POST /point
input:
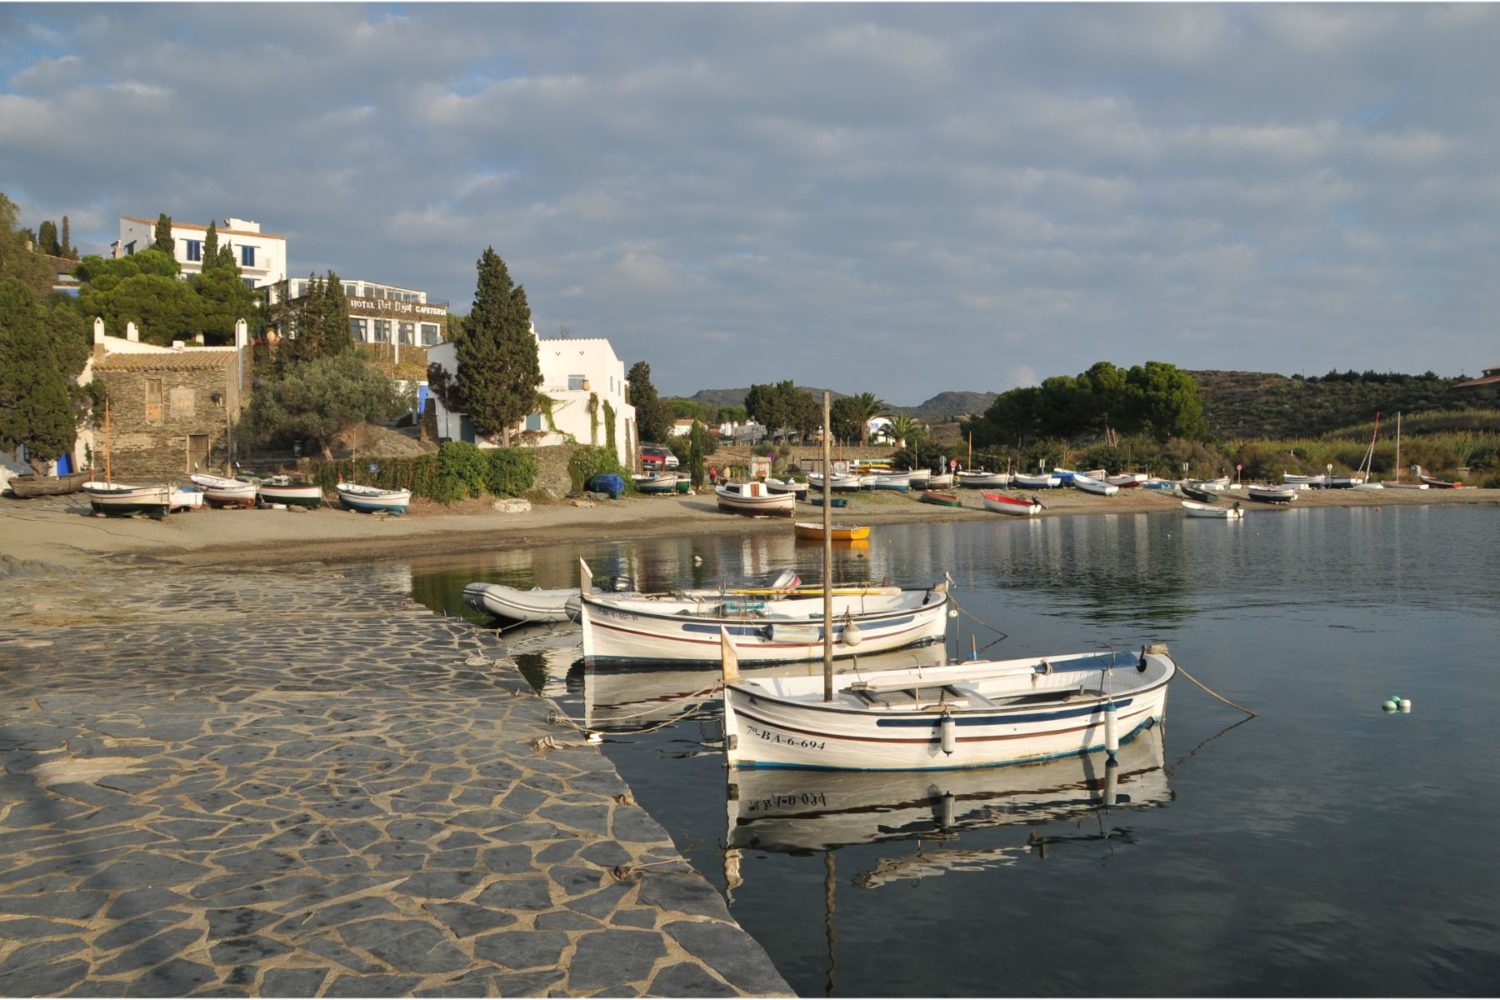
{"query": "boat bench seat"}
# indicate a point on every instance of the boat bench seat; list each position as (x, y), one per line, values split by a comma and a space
(913, 697)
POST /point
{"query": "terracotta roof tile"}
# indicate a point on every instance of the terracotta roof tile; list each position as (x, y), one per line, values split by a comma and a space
(184, 361)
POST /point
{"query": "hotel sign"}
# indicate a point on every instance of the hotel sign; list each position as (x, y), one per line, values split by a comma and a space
(393, 307)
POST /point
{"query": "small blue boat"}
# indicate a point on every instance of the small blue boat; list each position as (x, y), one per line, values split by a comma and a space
(606, 482)
(832, 501)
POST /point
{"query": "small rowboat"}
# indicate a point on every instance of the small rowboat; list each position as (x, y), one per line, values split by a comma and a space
(1436, 483)
(1040, 482)
(900, 481)
(291, 493)
(817, 501)
(656, 483)
(1272, 494)
(942, 499)
(978, 479)
(754, 500)
(372, 500)
(940, 482)
(30, 486)
(118, 500)
(534, 605)
(1089, 484)
(1197, 492)
(838, 483)
(1001, 504)
(798, 490)
(839, 532)
(1192, 509)
(221, 492)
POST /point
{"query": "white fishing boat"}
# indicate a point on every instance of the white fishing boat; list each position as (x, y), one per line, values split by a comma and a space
(373, 500)
(919, 478)
(798, 490)
(186, 498)
(838, 482)
(940, 482)
(288, 492)
(1015, 506)
(754, 499)
(120, 500)
(1089, 484)
(219, 491)
(1042, 481)
(656, 483)
(899, 481)
(979, 479)
(1194, 509)
(1272, 494)
(975, 714)
(534, 605)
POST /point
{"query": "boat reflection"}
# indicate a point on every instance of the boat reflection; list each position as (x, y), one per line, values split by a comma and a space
(804, 812)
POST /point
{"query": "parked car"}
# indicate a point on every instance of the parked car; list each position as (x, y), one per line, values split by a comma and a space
(654, 456)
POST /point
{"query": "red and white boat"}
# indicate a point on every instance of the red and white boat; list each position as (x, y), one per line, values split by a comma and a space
(1015, 506)
(754, 499)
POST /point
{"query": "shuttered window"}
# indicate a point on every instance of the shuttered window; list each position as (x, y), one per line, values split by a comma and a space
(153, 400)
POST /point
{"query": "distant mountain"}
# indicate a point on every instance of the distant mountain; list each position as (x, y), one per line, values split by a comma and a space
(943, 406)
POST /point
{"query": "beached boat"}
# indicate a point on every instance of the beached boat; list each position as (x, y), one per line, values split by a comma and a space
(1193, 509)
(801, 811)
(919, 478)
(798, 490)
(941, 499)
(1089, 484)
(219, 491)
(755, 500)
(817, 501)
(289, 492)
(943, 481)
(119, 500)
(1042, 481)
(980, 713)
(1157, 483)
(372, 500)
(1126, 480)
(1435, 482)
(28, 486)
(899, 481)
(186, 498)
(534, 605)
(1398, 483)
(1015, 506)
(656, 483)
(979, 479)
(1195, 491)
(770, 626)
(838, 482)
(838, 532)
(1272, 494)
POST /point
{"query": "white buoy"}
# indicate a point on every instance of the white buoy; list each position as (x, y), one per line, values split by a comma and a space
(852, 635)
(1406, 704)
(945, 817)
(1111, 730)
(949, 728)
(1111, 781)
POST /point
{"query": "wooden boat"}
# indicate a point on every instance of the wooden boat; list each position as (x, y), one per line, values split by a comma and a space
(534, 605)
(1089, 484)
(289, 492)
(1064, 476)
(221, 492)
(1196, 492)
(1295, 479)
(919, 479)
(838, 482)
(978, 479)
(28, 486)
(899, 481)
(186, 498)
(1436, 483)
(773, 626)
(839, 532)
(119, 500)
(817, 501)
(1127, 480)
(941, 499)
(1037, 482)
(372, 500)
(656, 483)
(798, 490)
(1192, 509)
(801, 811)
(943, 481)
(755, 500)
(1015, 506)
(975, 714)
(1272, 494)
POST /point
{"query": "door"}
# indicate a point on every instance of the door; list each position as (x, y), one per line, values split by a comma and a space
(197, 455)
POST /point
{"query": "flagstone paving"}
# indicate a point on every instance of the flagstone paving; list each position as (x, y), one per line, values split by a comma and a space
(303, 784)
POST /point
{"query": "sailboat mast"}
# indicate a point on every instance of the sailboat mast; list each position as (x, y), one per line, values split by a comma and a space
(108, 478)
(827, 554)
(1398, 446)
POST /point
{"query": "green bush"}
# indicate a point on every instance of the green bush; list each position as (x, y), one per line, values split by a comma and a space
(462, 469)
(589, 462)
(511, 471)
(416, 474)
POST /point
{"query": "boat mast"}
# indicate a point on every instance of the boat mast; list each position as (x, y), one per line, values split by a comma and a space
(108, 478)
(827, 554)
(1398, 446)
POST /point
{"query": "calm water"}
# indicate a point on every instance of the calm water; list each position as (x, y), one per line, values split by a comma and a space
(1323, 848)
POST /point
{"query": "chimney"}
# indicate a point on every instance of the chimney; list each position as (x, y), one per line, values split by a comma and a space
(178, 344)
(131, 333)
(99, 349)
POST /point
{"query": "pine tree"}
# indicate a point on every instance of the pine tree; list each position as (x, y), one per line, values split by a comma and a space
(36, 408)
(163, 236)
(498, 367)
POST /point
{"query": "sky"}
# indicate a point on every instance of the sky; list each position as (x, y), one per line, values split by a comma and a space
(897, 199)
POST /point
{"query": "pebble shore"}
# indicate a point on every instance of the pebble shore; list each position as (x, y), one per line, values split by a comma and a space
(300, 783)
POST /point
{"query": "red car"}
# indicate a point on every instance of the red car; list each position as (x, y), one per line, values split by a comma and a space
(656, 457)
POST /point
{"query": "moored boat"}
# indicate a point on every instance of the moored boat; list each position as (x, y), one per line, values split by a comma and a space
(1195, 491)
(838, 532)
(28, 486)
(1194, 509)
(979, 713)
(221, 492)
(289, 492)
(373, 500)
(1015, 506)
(119, 500)
(534, 605)
(754, 500)
(941, 499)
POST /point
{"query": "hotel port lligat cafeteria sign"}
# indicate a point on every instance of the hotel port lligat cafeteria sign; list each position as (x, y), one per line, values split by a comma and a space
(396, 307)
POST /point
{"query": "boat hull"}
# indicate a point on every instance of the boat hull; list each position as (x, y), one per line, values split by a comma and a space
(984, 480)
(942, 499)
(535, 605)
(1037, 482)
(662, 485)
(1010, 505)
(1089, 484)
(1058, 710)
(1192, 509)
(220, 492)
(754, 500)
(27, 487)
(1271, 494)
(298, 495)
(838, 532)
(626, 629)
(115, 500)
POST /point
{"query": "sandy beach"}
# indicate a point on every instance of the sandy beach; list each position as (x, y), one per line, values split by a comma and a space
(62, 532)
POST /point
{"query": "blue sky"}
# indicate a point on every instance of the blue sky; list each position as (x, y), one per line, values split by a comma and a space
(890, 198)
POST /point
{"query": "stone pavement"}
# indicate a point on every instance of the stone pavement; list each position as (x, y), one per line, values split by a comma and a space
(300, 783)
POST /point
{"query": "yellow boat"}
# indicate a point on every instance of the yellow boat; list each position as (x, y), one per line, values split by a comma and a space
(841, 532)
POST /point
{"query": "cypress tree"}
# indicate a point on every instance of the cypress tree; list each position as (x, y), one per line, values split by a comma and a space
(210, 247)
(46, 239)
(163, 236)
(334, 336)
(498, 367)
(67, 246)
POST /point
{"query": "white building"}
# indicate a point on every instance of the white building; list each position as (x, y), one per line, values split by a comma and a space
(586, 383)
(378, 313)
(261, 256)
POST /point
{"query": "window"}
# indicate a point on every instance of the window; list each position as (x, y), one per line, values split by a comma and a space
(194, 249)
(578, 381)
(247, 256)
(430, 334)
(533, 421)
(153, 400)
(249, 282)
(130, 249)
(182, 403)
(358, 328)
(382, 331)
(351, 291)
(407, 331)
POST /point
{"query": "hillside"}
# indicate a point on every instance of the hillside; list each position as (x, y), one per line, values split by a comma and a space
(1266, 405)
(940, 408)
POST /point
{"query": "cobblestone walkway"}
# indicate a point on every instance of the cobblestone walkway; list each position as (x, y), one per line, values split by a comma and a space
(302, 784)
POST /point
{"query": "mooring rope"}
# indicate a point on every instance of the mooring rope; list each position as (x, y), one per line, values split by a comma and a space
(1216, 694)
(695, 697)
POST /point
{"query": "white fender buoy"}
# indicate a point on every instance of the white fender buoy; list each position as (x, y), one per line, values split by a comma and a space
(852, 636)
(1111, 730)
(1111, 781)
(945, 817)
(949, 729)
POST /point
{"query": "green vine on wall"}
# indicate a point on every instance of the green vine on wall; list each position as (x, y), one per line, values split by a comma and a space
(593, 419)
(609, 426)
